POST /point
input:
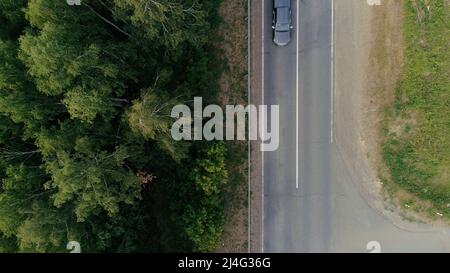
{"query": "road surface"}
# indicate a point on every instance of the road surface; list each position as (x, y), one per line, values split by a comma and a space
(309, 203)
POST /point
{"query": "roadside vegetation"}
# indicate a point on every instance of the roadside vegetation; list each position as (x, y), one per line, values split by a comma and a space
(417, 146)
(85, 147)
(233, 90)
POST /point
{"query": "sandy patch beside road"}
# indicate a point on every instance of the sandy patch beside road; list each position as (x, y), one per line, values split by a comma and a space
(369, 61)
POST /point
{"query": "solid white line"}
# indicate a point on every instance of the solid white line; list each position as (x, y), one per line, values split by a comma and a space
(262, 153)
(249, 69)
(297, 96)
(332, 70)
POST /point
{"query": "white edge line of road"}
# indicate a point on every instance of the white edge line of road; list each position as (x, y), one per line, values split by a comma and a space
(249, 93)
(262, 124)
(297, 97)
(333, 70)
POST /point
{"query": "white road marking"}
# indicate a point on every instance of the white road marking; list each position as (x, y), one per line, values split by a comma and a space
(262, 152)
(297, 96)
(332, 71)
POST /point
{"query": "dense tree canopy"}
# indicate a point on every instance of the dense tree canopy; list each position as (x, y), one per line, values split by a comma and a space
(85, 147)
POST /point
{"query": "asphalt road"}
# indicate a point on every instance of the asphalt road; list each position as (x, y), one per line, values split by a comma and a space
(309, 202)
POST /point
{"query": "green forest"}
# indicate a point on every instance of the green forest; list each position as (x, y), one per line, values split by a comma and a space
(86, 153)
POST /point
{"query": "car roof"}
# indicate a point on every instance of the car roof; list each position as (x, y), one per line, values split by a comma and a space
(283, 15)
(282, 3)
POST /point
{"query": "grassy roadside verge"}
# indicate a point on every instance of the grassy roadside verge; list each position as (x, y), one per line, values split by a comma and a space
(417, 146)
(233, 90)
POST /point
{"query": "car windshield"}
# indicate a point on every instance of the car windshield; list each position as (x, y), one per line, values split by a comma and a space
(283, 23)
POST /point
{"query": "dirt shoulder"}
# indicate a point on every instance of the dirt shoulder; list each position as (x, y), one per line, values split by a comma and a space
(369, 61)
(242, 231)
(370, 50)
(256, 99)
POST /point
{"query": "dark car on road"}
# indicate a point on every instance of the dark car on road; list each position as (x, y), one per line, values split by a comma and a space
(282, 22)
